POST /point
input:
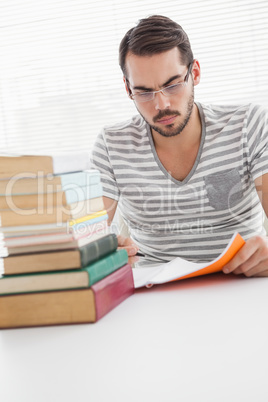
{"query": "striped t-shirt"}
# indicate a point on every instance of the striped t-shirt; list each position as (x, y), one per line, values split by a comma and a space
(194, 218)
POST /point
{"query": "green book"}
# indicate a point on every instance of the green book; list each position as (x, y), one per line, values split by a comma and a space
(97, 249)
(58, 280)
(59, 259)
(70, 306)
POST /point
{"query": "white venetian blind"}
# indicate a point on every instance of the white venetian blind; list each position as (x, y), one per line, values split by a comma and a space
(59, 76)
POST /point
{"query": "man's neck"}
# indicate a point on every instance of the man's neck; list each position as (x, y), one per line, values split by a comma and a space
(188, 138)
(178, 154)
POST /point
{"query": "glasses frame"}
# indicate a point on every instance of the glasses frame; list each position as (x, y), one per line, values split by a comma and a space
(179, 84)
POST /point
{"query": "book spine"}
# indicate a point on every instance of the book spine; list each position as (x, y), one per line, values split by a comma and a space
(87, 217)
(84, 178)
(113, 290)
(25, 165)
(82, 193)
(71, 162)
(38, 184)
(47, 308)
(54, 215)
(97, 249)
(40, 262)
(104, 267)
(29, 217)
(78, 227)
(39, 200)
(67, 306)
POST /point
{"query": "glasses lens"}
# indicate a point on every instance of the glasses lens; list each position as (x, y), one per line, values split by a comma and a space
(168, 91)
(143, 96)
(173, 89)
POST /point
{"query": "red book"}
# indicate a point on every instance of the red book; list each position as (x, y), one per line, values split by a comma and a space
(67, 306)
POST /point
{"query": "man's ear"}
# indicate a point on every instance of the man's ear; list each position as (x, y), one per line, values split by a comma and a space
(126, 86)
(196, 72)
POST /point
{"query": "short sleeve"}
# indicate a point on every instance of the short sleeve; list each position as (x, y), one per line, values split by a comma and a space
(100, 160)
(257, 133)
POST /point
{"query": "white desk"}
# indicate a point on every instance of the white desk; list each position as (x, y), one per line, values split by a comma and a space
(198, 340)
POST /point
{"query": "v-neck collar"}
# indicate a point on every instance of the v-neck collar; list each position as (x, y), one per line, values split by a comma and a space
(192, 171)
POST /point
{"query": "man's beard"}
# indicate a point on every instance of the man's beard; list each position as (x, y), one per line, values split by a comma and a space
(168, 112)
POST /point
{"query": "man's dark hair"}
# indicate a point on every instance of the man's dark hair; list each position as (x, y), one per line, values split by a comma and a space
(153, 35)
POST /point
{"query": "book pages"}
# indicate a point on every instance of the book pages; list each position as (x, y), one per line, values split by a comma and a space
(180, 268)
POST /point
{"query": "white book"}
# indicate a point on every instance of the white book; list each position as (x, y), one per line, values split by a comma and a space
(57, 245)
(180, 268)
(27, 165)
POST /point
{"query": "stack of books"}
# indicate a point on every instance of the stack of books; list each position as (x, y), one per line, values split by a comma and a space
(58, 262)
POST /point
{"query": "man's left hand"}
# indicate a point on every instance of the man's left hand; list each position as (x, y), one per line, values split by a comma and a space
(251, 259)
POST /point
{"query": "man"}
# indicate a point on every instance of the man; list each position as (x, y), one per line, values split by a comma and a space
(186, 176)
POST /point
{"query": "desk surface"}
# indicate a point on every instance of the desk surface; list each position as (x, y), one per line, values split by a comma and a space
(201, 339)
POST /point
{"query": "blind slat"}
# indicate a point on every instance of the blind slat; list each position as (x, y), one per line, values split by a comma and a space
(60, 81)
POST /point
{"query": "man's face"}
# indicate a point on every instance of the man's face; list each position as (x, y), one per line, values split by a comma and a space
(167, 115)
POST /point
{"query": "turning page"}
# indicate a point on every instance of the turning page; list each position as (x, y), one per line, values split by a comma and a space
(181, 269)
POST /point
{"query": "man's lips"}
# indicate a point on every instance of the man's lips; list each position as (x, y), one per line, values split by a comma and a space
(167, 120)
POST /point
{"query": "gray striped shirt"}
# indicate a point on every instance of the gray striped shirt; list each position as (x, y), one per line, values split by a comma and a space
(194, 218)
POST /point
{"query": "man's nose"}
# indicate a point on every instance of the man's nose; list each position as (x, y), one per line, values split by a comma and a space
(161, 101)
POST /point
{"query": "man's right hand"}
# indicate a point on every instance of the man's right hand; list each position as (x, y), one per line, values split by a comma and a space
(130, 247)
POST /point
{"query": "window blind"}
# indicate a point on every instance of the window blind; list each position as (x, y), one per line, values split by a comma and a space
(60, 81)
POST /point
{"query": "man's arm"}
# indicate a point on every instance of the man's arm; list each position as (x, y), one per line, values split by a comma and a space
(252, 259)
(110, 205)
(262, 188)
(123, 242)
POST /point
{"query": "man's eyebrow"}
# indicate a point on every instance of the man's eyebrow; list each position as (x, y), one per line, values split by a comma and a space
(174, 77)
(141, 88)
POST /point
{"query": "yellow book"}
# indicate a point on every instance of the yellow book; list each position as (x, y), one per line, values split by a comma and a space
(49, 215)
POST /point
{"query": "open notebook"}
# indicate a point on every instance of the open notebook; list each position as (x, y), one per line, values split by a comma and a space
(181, 269)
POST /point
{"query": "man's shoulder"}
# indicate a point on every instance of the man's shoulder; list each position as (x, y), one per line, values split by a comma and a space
(135, 123)
(228, 110)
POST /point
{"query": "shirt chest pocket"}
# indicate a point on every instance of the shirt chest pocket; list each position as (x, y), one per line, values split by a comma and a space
(224, 189)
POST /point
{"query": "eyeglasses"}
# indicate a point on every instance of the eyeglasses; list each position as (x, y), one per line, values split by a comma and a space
(167, 91)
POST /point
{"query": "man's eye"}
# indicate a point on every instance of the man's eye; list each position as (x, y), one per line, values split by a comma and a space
(173, 89)
(144, 95)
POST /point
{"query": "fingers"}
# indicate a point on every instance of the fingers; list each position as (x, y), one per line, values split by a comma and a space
(132, 260)
(257, 270)
(125, 241)
(251, 260)
(128, 245)
(131, 248)
(263, 273)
